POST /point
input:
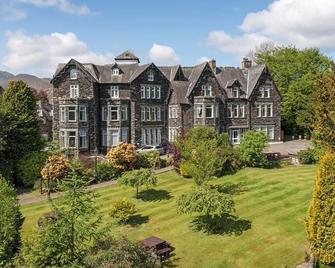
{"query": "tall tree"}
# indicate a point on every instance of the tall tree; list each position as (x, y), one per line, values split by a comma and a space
(321, 221)
(10, 222)
(19, 125)
(66, 238)
(295, 73)
(324, 125)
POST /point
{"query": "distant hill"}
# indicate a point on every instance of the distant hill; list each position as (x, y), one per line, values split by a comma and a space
(31, 80)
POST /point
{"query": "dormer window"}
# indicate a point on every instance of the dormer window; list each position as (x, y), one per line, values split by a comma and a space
(151, 75)
(206, 90)
(236, 92)
(73, 74)
(115, 71)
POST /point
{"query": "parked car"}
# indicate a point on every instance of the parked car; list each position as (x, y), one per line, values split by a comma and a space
(149, 148)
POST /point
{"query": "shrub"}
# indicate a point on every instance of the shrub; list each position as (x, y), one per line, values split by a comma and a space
(321, 221)
(122, 157)
(184, 169)
(110, 252)
(307, 156)
(56, 169)
(251, 148)
(148, 160)
(10, 222)
(122, 209)
(29, 168)
(105, 172)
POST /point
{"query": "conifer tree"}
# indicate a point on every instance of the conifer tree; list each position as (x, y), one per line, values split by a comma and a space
(321, 221)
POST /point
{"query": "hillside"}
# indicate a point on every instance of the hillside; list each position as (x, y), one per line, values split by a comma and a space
(31, 80)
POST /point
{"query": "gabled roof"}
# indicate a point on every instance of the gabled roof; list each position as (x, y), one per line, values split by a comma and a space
(127, 56)
(88, 68)
(194, 76)
(179, 91)
(254, 74)
(171, 72)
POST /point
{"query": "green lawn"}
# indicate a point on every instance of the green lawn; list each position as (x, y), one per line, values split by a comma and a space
(274, 202)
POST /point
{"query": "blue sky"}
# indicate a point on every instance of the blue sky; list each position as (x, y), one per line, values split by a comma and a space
(167, 32)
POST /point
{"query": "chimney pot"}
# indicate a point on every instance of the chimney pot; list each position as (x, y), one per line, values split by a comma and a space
(212, 64)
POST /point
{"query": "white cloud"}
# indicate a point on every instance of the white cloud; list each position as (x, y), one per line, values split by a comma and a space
(63, 5)
(298, 22)
(14, 10)
(40, 54)
(8, 11)
(203, 59)
(161, 54)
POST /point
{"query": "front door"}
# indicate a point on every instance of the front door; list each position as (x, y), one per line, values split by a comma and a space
(235, 136)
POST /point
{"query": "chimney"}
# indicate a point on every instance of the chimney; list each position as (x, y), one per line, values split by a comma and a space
(246, 63)
(212, 64)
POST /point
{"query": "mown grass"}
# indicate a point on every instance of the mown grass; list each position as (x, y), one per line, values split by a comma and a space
(269, 231)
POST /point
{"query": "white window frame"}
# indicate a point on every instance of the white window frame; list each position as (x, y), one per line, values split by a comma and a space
(114, 92)
(124, 113)
(142, 91)
(72, 136)
(173, 134)
(235, 92)
(82, 111)
(151, 136)
(151, 75)
(264, 109)
(115, 71)
(104, 138)
(110, 108)
(124, 135)
(199, 110)
(68, 114)
(62, 139)
(265, 92)
(73, 74)
(206, 90)
(62, 113)
(158, 92)
(83, 135)
(173, 112)
(74, 91)
(265, 129)
(211, 107)
(110, 137)
(104, 113)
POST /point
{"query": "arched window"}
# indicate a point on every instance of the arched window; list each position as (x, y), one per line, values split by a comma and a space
(73, 74)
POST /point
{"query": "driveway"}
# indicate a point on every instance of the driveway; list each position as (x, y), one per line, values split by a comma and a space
(288, 147)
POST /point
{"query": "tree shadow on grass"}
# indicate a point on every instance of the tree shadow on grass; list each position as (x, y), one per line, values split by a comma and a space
(154, 195)
(232, 188)
(137, 219)
(224, 225)
(172, 261)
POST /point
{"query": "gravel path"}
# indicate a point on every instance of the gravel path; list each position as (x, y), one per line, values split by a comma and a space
(29, 198)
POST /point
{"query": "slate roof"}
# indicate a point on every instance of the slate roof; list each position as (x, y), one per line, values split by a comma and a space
(181, 90)
(127, 55)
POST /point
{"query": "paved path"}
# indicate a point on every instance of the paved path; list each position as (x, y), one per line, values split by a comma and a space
(288, 147)
(29, 198)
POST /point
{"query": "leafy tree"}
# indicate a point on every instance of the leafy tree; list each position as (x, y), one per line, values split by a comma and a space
(205, 154)
(324, 127)
(105, 172)
(206, 200)
(321, 220)
(22, 127)
(122, 157)
(30, 167)
(56, 169)
(122, 209)
(10, 222)
(251, 148)
(295, 73)
(120, 253)
(66, 238)
(137, 178)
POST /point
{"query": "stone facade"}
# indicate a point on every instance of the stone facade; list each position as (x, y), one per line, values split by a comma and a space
(98, 106)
